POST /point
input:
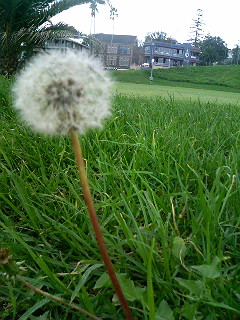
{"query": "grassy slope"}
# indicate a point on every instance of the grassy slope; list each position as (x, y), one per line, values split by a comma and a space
(150, 150)
(226, 78)
(177, 93)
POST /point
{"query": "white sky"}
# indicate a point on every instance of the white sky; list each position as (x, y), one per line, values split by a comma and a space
(136, 17)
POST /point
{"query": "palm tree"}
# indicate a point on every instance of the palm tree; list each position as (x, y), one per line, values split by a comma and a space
(25, 25)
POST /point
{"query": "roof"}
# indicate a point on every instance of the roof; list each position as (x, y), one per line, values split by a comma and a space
(79, 41)
(174, 45)
(191, 47)
(114, 38)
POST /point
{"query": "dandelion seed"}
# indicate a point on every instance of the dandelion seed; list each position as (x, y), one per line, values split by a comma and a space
(58, 92)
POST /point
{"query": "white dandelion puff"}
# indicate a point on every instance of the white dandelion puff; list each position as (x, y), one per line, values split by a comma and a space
(58, 92)
(66, 93)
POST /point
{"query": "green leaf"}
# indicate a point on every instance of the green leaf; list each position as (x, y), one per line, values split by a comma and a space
(179, 248)
(43, 317)
(150, 290)
(189, 310)
(131, 292)
(211, 271)
(103, 281)
(221, 305)
(196, 288)
(35, 307)
(164, 311)
(84, 279)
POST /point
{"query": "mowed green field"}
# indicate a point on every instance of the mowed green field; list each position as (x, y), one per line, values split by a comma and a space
(178, 93)
(212, 78)
(205, 84)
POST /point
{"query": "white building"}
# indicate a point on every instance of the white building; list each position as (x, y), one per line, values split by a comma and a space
(65, 44)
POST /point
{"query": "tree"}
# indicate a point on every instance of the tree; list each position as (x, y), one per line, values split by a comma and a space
(25, 25)
(197, 28)
(159, 36)
(213, 49)
(236, 55)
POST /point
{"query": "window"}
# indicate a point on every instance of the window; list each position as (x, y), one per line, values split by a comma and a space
(124, 61)
(194, 55)
(180, 51)
(50, 43)
(69, 44)
(111, 60)
(124, 50)
(147, 49)
(163, 50)
(112, 49)
(173, 51)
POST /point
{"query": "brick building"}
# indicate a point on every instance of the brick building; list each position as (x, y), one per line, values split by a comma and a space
(117, 51)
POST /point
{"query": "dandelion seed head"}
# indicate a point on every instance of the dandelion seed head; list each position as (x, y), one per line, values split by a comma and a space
(57, 92)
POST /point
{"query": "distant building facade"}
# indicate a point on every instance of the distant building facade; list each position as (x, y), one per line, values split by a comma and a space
(171, 54)
(117, 51)
(64, 45)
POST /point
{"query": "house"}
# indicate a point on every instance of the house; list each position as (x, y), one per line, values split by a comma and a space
(164, 54)
(117, 51)
(65, 44)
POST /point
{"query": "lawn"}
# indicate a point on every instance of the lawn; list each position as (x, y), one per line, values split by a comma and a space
(226, 78)
(164, 174)
(206, 84)
(178, 93)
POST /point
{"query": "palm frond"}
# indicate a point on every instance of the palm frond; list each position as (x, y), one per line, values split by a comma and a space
(61, 5)
(52, 32)
(25, 24)
(33, 38)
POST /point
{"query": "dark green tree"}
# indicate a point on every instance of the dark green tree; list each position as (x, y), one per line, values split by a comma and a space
(159, 36)
(213, 49)
(25, 25)
(236, 55)
(197, 31)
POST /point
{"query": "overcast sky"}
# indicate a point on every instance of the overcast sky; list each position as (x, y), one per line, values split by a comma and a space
(175, 17)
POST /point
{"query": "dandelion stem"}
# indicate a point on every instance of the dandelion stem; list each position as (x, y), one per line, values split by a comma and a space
(57, 299)
(96, 226)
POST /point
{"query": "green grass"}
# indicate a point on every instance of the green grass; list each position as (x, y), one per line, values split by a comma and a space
(226, 76)
(223, 78)
(4, 93)
(205, 84)
(177, 93)
(165, 178)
